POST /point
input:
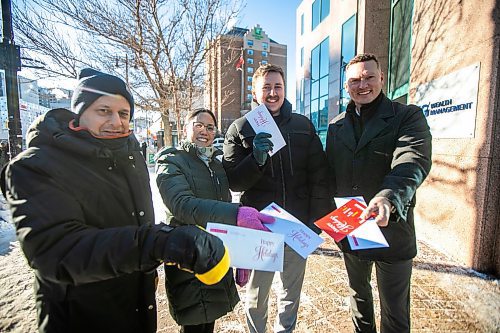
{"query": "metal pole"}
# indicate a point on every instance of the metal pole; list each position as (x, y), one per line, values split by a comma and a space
(11, 63)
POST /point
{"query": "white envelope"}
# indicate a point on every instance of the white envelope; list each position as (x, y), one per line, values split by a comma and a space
(251, 249)
(261, 120)
(297, 235)
(368, 235)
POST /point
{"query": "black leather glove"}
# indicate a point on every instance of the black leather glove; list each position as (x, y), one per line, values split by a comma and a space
(261, 146)
(193, 249)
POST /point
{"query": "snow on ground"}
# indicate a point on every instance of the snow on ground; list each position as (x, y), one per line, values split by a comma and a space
(7, 230)
(158, 205)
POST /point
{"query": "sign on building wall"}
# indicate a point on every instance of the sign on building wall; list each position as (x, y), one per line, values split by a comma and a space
(450, 103)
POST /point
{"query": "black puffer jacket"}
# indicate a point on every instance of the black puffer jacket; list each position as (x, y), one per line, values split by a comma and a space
(84, 218)
(295, 177)
(195, 193)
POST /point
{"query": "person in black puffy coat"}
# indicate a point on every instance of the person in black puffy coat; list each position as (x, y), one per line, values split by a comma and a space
(82, 205)
(195, 190)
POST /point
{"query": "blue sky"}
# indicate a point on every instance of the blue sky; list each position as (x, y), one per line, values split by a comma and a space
(277, 18)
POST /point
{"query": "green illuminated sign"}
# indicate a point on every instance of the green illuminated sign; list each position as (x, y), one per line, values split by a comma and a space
(257, 33)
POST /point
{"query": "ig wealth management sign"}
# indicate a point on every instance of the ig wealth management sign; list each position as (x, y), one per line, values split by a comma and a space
(450, 103)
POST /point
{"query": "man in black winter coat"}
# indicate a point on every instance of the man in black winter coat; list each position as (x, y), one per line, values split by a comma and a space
(380, 150)
(81, 202)
(294, 177)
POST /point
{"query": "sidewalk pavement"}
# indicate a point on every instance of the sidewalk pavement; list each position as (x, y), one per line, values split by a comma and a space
(445, 296)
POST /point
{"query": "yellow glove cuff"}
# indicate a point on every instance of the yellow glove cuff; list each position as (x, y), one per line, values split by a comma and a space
(217, 272)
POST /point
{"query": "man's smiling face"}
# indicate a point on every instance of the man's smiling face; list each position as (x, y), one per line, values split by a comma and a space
(270, 91)
(364, 82)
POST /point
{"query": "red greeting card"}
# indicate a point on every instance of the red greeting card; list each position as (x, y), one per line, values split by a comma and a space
(343, 220)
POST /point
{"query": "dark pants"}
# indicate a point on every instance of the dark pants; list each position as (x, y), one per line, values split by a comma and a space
(202, 328)
(393, 279)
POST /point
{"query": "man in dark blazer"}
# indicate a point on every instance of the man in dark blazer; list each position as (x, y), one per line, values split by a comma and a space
(380, 150)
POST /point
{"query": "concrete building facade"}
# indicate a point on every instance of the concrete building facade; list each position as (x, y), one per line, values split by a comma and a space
(442, 55)
(231, 62)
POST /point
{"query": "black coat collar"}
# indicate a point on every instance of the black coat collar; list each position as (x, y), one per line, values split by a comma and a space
(380, 120)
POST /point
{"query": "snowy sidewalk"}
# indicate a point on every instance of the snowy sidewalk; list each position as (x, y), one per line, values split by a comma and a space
(445, 296)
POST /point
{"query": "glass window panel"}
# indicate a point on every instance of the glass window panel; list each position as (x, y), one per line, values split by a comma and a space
(315, 89)
(301, 56)
(265, 45)
(348, 51)
(400, 44)
(314, 119)
(263, 62)
(323, 112)
(250, 69)
(249, 97)
(315, 63)
(250, 52)
(314, 105)
(323, 86)
(264, 54)
(250, 42)
(249, 88)
(315, 13)
(314, 112)
(348, 40)
(250, 61)
(249, 78)
(325, 58)
(302, 24)
(325, 9)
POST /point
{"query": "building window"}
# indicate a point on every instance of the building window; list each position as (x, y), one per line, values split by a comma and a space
(301, 56)
(301, 97)
(320, 63)
(320, 10)
(301, 24)
(250, 61)
(249, 97)
(347, 52)
(1, 85)
(263, 62)
(250, 42)
(265, 45)
(250, 52)
(249, 87)
(400, 48)
(249, 69)
(264, 54)
(249, 79)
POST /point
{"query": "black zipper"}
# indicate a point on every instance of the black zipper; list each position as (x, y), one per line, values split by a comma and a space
(283, 189)
(216, 183)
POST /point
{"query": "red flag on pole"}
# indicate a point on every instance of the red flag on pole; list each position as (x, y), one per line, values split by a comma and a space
(239, 63)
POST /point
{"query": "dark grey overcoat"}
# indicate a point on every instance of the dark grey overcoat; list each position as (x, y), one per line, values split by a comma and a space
(391, 159)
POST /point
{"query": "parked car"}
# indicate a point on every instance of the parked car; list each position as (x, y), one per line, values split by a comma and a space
(218, 142)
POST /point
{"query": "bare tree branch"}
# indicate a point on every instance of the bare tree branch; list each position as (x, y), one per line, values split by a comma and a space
(163, 44)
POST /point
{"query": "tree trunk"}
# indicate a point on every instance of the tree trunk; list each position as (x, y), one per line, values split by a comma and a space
(167, 135)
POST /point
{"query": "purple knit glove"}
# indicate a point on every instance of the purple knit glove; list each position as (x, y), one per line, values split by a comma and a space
(249, 217)
(242, 276)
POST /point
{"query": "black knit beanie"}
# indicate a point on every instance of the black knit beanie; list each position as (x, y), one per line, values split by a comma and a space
(93, 84)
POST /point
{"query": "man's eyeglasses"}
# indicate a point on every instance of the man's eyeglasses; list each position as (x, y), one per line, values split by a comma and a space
(199, 126)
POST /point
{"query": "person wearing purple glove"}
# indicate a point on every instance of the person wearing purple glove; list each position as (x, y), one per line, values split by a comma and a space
(195, 190)
(249, 217)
